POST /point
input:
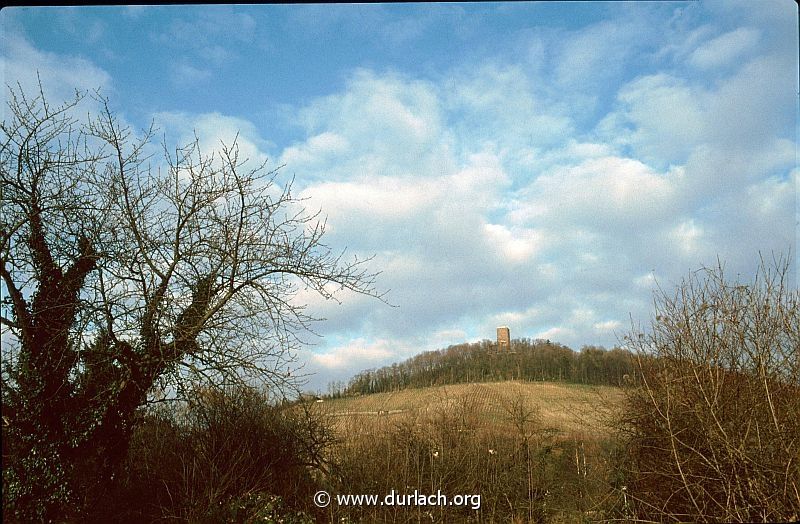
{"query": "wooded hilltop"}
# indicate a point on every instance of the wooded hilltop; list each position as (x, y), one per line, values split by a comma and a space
(529, 359)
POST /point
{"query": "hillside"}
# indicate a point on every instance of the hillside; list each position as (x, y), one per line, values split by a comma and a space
(526, 360)
(567, 408)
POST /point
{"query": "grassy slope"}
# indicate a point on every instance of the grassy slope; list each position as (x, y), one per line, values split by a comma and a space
(569, 408)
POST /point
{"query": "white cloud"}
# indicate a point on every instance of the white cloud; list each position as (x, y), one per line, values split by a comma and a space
(372, 201)
(488, 224)
(755, 105)
(501, 106)
(488, 206)
(186, 75)
(599, 191)
(391, 125)
(766, 210)
(665, 118)
(317, 149)
(725, 48)
(213, 130)
(60, 75)
(662, 117)
(593, 53)
(608, 326)
(687, 236)
(358, 352)
(513, 246)
(517, 318)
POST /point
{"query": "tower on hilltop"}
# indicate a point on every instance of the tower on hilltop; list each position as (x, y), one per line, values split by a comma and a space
(503, 339)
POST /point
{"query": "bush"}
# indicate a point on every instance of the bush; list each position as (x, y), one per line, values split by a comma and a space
(225, 456)
(713, 424)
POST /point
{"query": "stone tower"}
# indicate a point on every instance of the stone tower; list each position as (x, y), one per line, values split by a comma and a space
(503, 339)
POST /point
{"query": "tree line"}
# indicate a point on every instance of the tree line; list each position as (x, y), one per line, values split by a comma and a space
(529, 359)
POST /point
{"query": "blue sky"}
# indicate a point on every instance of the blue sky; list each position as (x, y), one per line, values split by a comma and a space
(537, 165)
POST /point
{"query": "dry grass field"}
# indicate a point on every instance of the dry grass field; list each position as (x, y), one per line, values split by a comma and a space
(566, 408)
(533, 451)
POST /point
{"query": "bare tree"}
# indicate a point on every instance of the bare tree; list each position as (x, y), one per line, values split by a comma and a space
(714, 423)
(125, 278)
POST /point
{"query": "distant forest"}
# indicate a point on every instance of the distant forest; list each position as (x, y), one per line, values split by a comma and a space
(528, 359)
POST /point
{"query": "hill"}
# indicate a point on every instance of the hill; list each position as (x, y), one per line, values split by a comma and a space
(526, 359)
(560, 407)
(523, 451)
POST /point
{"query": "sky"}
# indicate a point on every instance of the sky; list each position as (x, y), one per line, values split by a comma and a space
(543, 165)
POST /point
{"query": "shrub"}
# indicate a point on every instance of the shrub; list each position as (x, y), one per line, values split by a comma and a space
(225, 456)
(713, 426)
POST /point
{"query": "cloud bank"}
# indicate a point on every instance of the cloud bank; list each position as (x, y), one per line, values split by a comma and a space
(548, 187)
